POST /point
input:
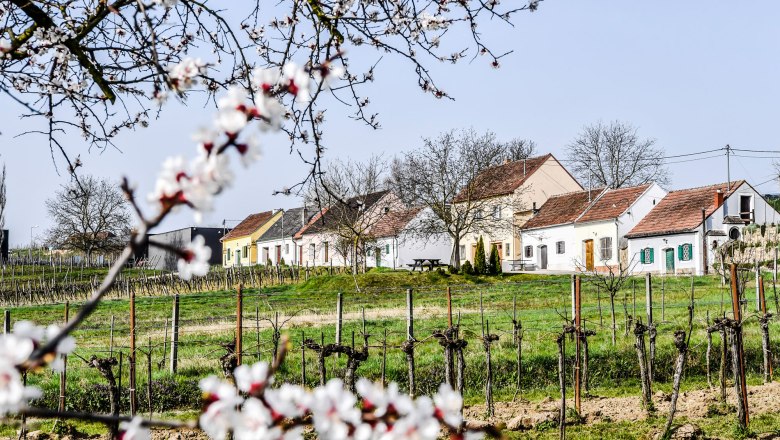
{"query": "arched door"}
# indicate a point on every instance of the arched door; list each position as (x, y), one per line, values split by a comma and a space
(543, 257)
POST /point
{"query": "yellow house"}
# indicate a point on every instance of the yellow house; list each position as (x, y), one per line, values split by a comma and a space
(239, 246)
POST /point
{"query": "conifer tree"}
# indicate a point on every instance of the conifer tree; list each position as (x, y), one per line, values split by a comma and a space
(480, 264)
(494, 264)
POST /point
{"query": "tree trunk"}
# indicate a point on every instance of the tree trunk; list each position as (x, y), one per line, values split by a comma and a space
(741, 414)
(682, 349)
(614, 321)
(723, 362)
(562, 385)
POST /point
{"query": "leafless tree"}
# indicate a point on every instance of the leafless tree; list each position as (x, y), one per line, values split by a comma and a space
(351, 191)
(519, 149)
(89, 215)
(99, 67)
(447, 167)
(614, 156)
(611, 279)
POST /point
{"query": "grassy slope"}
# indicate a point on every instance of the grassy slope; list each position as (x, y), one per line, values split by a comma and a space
(541, 302)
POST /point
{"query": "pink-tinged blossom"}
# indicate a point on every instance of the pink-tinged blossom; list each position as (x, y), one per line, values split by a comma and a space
(265, 80)
(169, 188)
(232, 116)
(14, 395)
(5, 45)
(249, 150)
(252, 379)
(333, 410)
(289, 401)
(382, 401)
(296, 81)
(205, 138)
(419, 424)
(134, 430)
(220, 415)
(449, 404)
(254, 422)
(195, 261)
(430, 22)
(271, 112)
(328, 74)
(184, 75)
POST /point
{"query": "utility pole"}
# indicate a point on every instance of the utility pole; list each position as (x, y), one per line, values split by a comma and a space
(728, 165)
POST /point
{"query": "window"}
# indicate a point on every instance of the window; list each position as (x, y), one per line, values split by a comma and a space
(368, 252)
(734, 233)
(506, 246)
(238, 255)
(245, 250)
(529, 251)
(745, 204)
(312, 249)
(387, 249)
(685, 252)
(478, 214)
(560, 247)
(605, 247)
(462, 251)
(229, 254)
(286, 248)
(497, 212)
(325, 252)
(646, 256)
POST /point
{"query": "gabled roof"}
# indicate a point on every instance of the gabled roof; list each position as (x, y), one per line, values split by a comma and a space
(562, 209)
(292, 219)
(249, 225)
(680, 211)
(501, 179)
(613, 203)
(393, 223)
(330, 217)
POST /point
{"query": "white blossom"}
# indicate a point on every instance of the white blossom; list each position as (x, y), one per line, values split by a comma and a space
(333, 410)
(289, 400)
(252, 379)
(430, 22)
(14, 395)
(220, 416)
(134, 430)
(296, 81)
(184, 75)
(167, 3)
(449, 404)
(195, 261)
(5, 45)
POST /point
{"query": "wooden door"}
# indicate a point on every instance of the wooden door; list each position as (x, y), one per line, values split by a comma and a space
(278, 254)
(589, 255)
(670, 261)
(500, 249)
(543, 257)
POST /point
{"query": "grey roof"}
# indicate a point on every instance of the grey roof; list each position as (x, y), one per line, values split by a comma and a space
(716, 233)
(733, 220)
(293, 221)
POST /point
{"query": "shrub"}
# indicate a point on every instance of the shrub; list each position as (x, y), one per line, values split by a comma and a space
(466, 268)
(480, 265)
(282, 263)
(454, 270)
(494, 264)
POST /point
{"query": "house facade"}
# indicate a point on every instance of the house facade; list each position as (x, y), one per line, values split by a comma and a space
(506, 196)
(585, 230)
(395, 245)
(278, 244)
(327, 239)
(680, 233)
(161, 259)
(239, 246)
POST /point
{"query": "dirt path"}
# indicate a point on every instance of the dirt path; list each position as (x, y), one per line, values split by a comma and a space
(692, 404)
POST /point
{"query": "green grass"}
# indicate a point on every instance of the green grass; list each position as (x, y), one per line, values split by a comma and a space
(542, 303)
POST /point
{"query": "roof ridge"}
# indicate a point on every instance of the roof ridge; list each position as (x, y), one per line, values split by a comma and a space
(734, 184)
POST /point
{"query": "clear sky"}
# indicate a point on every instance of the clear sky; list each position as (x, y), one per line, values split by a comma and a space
(694, 75)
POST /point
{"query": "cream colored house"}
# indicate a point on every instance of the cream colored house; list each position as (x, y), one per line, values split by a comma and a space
(504, 197)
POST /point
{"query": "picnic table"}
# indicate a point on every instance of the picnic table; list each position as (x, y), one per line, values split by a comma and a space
(423, 262)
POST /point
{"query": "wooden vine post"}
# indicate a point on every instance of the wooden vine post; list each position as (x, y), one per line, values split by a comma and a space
(408, 344)
(647, 393)
(239, 322)
(133, 401)
(764, 323)
(650, 324)
(64, 372)
(738, 354)
(578, 343)
(561, 340)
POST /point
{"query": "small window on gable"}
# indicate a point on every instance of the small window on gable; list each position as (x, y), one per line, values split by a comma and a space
(560, 247)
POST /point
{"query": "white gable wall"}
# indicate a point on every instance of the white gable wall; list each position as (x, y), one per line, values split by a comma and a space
(536, 238)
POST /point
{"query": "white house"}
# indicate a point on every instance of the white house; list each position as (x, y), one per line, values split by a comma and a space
(506, 196)
(678, 235)
(322, 241)
(278, 243)
(396, 245)
(585, 230)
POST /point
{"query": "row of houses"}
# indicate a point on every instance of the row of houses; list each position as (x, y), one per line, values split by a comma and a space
(540, 218)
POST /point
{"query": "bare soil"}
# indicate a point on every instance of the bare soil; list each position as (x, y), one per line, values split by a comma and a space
(692, 404)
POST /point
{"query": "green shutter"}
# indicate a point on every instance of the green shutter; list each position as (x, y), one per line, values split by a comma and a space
(680, 252)
(642, 256)
(652, 257)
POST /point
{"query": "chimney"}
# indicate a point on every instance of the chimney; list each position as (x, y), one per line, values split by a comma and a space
(303, 216)
(718, 198)
(506, 160)
(533, 209)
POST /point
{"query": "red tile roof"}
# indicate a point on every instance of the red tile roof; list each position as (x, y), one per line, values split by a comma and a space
(613, 203)
(392, 223)
(249, 225)
(562, 209)
(680, 211)
(501, 179)
(330, 217)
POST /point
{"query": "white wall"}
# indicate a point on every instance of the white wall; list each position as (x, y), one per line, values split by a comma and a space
(640, 208)
(549, 237)
(289, 257)
(659, 244)
(318, 257)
